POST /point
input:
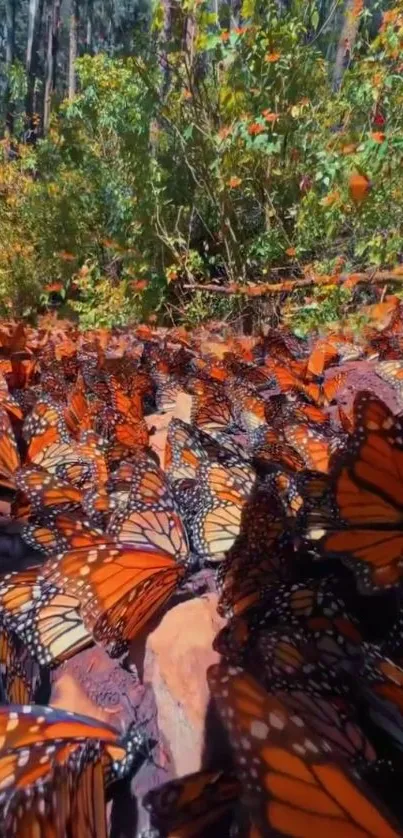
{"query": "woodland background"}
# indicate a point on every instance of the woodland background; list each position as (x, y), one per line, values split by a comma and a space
(150, 150)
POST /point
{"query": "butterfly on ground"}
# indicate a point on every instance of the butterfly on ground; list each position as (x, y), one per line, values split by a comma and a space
(20, 673)
(53, 768)
(364, 523)
(261, 555)
(42, 617)
(119, 587)
(219, 496)
(379, 683)
(150, 517)
(189, 805)
(293, 781)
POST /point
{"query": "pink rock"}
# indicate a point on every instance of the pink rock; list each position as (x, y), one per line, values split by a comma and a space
(177, 656)
(93, 684)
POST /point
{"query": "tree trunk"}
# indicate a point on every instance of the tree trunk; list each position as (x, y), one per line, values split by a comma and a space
(89, 35)
(53, 23)
(10, 48)
(32, 63)
(73, 47)
(346, 42)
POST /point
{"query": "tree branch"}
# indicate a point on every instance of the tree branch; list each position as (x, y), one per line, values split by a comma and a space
(289, 285)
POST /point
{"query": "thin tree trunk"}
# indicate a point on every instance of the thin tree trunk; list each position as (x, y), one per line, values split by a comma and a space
(73, 47)
(10, 48)
(31, 62)
(346, 42)
(89, 35)
(53, 21)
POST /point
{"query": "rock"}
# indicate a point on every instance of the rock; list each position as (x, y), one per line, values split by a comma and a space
(177, 656)
(94, 685)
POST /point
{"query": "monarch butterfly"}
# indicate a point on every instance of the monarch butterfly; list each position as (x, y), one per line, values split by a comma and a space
(158, 528)
(50, 447)
(46, 620)
(187, 448)
(150, 516)
(167, 394)
(392, 372)
(186, 807)
(260, 557)
(20, 674)
(53, 768)
(76, 412)
(44, 426)
(59, 532)
(312, 445)
(257, 377)
(323, 354)
(281, 346)
(366, 529)
(293, 781)
(316, 607)
(119, 588)
(221, 495)
(335, 722)
(249, 409)
(269, 449)
(333, 384)
(123, 434)
(9, 454)
(8, 402)
(45, 491)
(211, 407)
(285, 657)
(286, 379)
(380, 684)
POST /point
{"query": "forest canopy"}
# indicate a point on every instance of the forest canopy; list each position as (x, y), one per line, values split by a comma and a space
(150, 151)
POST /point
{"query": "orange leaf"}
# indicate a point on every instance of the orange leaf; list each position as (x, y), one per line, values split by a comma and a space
(349, 149)
(271, 57)
(225, 35)
(378, 136)
(256, 128)
(358, 186)
(139, 284)
(225, 132)
(351, 281)
(270, 116)
(291, 251)
(67, 257)
(330, 199)
(53, 287)
(234, 181)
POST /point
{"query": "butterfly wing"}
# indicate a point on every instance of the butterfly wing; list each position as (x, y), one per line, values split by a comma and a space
(119, 588)
(366, 529)
(292, 783)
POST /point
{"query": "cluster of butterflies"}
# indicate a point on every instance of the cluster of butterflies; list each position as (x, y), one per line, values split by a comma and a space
(293, 503)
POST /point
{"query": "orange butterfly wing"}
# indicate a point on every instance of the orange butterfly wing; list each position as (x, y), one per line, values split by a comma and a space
(119, 588)
(291, 782)
(366, 529)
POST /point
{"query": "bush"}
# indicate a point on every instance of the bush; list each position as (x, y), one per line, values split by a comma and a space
(238, 160)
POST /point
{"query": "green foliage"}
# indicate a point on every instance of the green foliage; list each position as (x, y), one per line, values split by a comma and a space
(230, 157)
(103, 303)
(324, 308)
